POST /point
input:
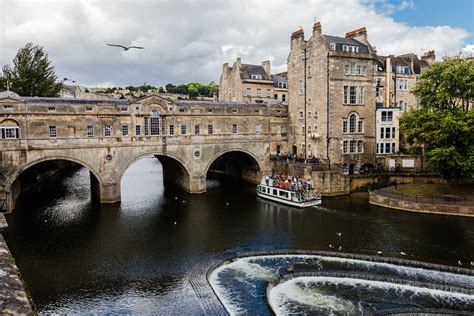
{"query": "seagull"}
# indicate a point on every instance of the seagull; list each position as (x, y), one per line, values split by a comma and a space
(379, 252)
(331, 246)
(175, 197)
(402, 253)
(175, 223)
(227, 203)
(184, 201)
(472, 263)
(339, 234)
(125, 48)
(340, 248)
(459, 262)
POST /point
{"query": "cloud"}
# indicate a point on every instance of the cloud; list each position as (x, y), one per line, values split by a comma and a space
(189, 40)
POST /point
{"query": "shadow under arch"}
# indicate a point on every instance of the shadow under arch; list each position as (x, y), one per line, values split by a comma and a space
(175, 171)
(14, 187)
(236, 162)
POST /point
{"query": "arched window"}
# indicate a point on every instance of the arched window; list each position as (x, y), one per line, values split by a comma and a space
(154, 123)
(352, 123)
(9, 129)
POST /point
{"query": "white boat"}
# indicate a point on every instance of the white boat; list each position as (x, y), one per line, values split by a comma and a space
(295, 192)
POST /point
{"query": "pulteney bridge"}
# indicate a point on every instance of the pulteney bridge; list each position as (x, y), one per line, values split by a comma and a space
(107, 136)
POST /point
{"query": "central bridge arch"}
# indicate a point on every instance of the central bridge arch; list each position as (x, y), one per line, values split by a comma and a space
(236, 162)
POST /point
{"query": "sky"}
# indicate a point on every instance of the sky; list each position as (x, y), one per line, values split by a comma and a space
(189, 40)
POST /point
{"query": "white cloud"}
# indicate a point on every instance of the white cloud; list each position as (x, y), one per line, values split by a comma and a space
(189, 40)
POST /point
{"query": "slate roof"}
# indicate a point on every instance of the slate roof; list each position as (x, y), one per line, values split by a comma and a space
(11, 95)
(246, 71)
(44, 100)
(339, 41)
(209, 103)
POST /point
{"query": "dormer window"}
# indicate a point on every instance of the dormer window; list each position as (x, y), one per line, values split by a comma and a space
(51, 108)
(8, 107)
(332, 46)
(350, 48)
(254, 76)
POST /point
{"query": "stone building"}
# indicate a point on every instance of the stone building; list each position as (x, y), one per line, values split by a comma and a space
(395, 77)
(331, 88)
(251, 83)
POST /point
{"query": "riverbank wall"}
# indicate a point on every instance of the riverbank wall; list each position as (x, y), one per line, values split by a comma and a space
(14, 299)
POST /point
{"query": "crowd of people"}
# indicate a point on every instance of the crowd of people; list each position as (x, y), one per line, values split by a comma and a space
(289, 183)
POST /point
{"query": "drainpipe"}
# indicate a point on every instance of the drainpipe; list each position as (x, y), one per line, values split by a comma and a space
(305, 111)
(327, 111)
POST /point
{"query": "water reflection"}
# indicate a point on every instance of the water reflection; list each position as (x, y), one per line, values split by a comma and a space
(78, 256)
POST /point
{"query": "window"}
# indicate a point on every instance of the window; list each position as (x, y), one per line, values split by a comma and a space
(302, 130)
(275, 96)
(309, 72)
(209, 110)
(393, 148)
(269, 93)
(346, 95)
(402, 84)
(352, 95)
(254, 76)
(154, 123)
(234, 128)
(196, 129)
(171, 129)
(377, 150)
(248, 92)
(382, 132)
(387, 132)
(377, 87)
(301, 87)
(210, 129)
(360, 146)
(309, 113)
(234, 110)
(259, 92)
(301, 114)
(107, 130)
(315, 114)
(387, 116)
(53, 133)
(332, 46)
(283, 97)
(146, 126)
(361, 70)
(360, 95)
(344, 146)
(183, 129)
(51, 108)
(344, 127)
(88, 108)
(309, 128)
(258, 127)
(8, 107)
(360, 126)
(393, 132)
(138, 130)
(387, 148)
(10, 132)
(352, 146)
(282, 85)
(90, 131)
(163, 126)
(181, 110)
(278, 129)
(123, 109)
(352, 123)
(352, 69)
(124, 130)
(350, 48)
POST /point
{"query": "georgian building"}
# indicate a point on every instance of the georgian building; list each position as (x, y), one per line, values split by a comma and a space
(247, 83)
(331, 88)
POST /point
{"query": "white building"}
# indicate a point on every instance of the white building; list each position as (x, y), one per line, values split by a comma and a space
(387, 130)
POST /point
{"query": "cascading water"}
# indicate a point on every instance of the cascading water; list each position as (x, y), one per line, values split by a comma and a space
(339, 286)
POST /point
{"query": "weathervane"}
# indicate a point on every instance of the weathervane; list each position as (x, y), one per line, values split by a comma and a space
(8, 85)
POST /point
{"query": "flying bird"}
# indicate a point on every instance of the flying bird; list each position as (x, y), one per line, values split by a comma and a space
(125, 48)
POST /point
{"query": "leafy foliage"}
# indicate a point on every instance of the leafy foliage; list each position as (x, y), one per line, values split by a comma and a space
(447, 137)
(447, 85)
(32, 73)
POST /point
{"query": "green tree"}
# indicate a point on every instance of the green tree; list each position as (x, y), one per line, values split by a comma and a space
(32, 73)
(448, 84)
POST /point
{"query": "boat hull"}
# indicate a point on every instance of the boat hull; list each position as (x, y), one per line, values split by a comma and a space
(288, 202)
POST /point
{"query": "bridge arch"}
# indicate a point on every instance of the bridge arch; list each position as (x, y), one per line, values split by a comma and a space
(237, 162)
(175, 170)
(13, 189)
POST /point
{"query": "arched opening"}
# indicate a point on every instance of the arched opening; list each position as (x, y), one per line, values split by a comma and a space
(236, 164)
(49, 179)
(9, 129)
(165, 170)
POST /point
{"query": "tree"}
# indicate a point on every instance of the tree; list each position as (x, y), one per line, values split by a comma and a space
(32, 73)
(448, 84)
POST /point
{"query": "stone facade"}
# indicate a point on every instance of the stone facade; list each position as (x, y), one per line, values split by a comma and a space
(332, 97)
(252, 84)
(107, 136)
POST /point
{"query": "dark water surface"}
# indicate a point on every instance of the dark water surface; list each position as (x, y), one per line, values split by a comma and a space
(136, 256)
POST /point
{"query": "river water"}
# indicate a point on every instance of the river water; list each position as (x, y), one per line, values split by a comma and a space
(136, 256)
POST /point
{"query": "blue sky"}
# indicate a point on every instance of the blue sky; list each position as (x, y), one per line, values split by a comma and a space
(454, 13)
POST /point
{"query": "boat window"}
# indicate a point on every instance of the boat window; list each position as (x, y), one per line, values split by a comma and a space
(274, 192)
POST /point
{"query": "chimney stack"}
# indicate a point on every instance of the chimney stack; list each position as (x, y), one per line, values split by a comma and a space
(317, 28)
(429, 56)
(266, 67)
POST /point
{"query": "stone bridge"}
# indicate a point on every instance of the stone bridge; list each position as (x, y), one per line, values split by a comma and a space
(108, 136)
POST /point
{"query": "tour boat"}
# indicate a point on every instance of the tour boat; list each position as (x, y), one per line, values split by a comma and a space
(288, 190)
